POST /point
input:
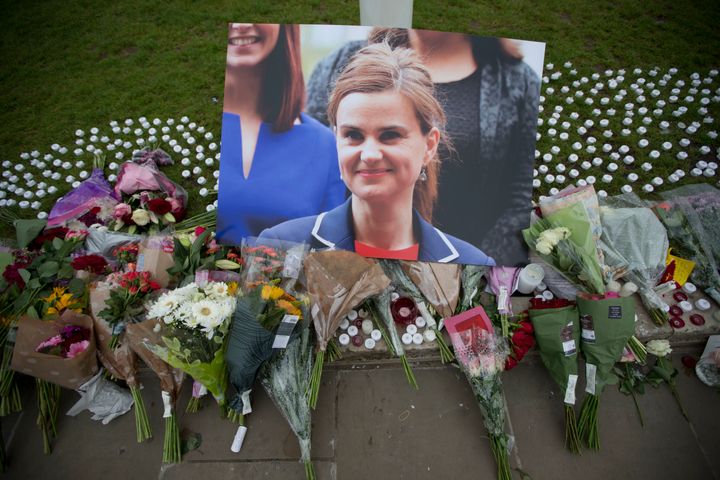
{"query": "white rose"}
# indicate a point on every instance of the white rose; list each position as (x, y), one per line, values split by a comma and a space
(659, 348)
(140, 217)
(543, 247)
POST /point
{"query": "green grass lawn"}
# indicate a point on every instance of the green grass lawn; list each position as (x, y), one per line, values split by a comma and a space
(80, 64)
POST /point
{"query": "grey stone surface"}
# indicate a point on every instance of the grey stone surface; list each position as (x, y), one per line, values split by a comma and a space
(370, 424)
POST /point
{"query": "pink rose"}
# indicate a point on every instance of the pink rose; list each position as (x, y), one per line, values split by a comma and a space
(77, 348)
(122, 209)
(176, 205)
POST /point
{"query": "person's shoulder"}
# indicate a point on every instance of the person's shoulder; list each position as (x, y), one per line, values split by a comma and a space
(469, 254)
(519, 72)
(295, 230)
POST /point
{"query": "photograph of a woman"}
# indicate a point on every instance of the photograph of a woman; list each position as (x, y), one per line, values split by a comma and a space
(277, 163)
(490, 96)
(388, 127)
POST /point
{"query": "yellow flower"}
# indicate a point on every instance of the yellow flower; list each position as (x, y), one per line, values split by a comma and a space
(271, 292)
(62, 301)
(289, 307)
(56, 293)
(232, 288)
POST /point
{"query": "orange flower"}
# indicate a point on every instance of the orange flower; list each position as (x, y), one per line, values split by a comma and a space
(289, 307)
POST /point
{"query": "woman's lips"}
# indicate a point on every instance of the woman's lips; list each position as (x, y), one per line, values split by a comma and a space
(373, 172)
(242, 41)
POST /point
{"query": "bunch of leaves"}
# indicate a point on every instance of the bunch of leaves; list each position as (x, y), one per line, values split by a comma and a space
(199, 251)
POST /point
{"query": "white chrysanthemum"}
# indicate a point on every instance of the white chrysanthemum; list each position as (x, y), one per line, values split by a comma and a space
(216, 289)
(165, 306)
(186, 291)
(207, 314)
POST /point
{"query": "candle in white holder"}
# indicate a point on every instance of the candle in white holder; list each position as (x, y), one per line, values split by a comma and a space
(353, 315)
(367, 326)
(417, 339)
(406, 339)
(376, 335)
(352, 330)
(429, 335)
(344, 339)
(420, 322)
(344, 324)
(686, 306)
(702, 305)
(369, 343)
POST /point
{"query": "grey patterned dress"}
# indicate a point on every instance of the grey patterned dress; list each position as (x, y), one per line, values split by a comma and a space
(492, 121)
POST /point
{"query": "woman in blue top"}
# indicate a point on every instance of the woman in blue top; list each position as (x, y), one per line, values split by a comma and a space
(388, 125)
(276, 163)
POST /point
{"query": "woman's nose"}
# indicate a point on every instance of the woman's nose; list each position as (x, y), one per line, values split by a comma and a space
(370, 153)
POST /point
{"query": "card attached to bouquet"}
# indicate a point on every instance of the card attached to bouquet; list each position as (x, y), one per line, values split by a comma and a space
(568, 342)
(588, 329)
(284, 331)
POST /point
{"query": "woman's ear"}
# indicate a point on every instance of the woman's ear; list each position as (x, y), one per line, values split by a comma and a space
(432, 141)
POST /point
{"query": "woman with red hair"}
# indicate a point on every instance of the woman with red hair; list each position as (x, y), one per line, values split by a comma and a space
(267, 143)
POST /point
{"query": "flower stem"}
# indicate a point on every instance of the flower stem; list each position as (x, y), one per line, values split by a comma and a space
(628, 373)
(171, 450)
(194, 405)
(314, 388)
(504, 325)
(142, 424)
(408, 372)
(572, 438)
(236, 417)
(588, 422)
(446, 355)
(499, 449)
(333, 351)
(48, 405)
(309, 470)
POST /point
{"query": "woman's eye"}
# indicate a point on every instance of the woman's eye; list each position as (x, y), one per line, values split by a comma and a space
(353, 135)
(389, 135)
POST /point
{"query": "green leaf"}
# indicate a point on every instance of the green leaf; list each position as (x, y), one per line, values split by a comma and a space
(33, 284)
(132, 229)
(169, 217)
(27, 229)
(24, 274)
(66, 271)
(77, 287)
(32, 312)
(49, 268)
(57, 243)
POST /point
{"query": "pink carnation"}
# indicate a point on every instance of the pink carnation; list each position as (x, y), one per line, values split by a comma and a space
(49, 343)
(122, 209)
(176, 204)
(77, 348)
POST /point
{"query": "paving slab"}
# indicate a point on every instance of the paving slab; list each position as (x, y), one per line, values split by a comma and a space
(269, 436)
(265, 470)
(666, 448)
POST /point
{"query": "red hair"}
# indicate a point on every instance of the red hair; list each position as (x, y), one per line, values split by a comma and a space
(283, 92)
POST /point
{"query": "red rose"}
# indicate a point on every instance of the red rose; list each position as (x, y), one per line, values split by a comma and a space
(199, 231)
(510, 363)
(523, 339)
(526, 327)
(92, 263)
(159, 206)
(133, 290)
(154, 285)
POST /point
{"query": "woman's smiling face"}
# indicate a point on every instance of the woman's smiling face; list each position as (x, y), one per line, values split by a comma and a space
(249, 44)
(381, 148)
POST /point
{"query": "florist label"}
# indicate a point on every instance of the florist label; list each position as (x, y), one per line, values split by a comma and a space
(568, 342)
(570, 390)
(615, 312)
(590, 374)
(588, 330)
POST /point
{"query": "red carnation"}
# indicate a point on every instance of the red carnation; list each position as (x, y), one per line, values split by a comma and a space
(523, 339)
(199, 231)
(154, 285)
(526, 327)
(92, 263)
(159, 206)
(510, 363)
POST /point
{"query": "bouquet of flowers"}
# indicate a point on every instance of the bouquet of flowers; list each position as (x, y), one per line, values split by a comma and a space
(687, 244)
(607, 324)
(634, 240)
(521, 338)
(503, 281)
(481, 355)
(336, 282)
(471, 286)
(286, 378)
(57, 352)
(91, 202)
(395, 271)
(126, 256)
(268, 300)
(195, 322)
(120, 361)
(150, 200)
(127, 300)
(565, 241)
(199, 251)
(557, 331)
(142, 338)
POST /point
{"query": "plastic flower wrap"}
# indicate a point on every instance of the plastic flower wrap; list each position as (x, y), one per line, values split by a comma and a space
(126, 303)
(337, 281)
(394, 270)
(565, 241)
(286, 379)
(142, 337)
(634, 240)
(195, 322)
(481, 355)
(93, 196)
(471, 285)
(120, 361)
(502, 281)
(607, 326)
(268, 299)
(557, 331)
